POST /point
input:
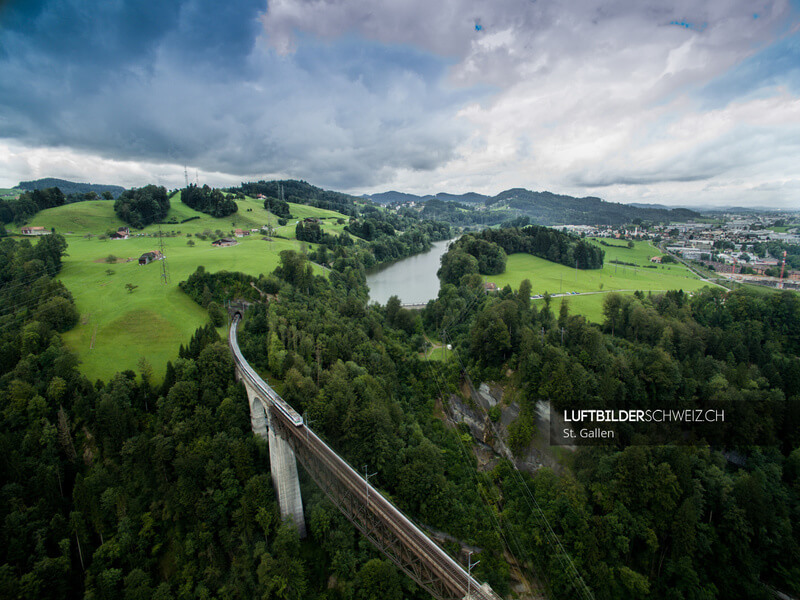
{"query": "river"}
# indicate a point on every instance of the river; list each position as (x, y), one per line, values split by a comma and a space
(412, 279)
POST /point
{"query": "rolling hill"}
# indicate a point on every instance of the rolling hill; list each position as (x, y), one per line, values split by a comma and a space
(70, 187)
(547, 208)
(117, 327)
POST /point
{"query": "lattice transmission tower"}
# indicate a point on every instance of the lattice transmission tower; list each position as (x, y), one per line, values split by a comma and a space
(164, 267)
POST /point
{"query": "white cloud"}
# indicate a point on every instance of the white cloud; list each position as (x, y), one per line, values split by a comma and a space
(572, 97)
(30, 163)
(601, 102)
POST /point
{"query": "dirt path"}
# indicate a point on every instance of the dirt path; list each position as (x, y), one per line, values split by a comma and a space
(434, 346)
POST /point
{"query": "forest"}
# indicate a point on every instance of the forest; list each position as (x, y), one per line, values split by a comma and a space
(140, 489)
(299, 192)
(278, 207)
(714, 518)
(129, 488)
(556, 246)
(29, 203)
(75, 190)
(212, 202)
(548, 208)
(142, 206)
(485, 252)
(380, 236)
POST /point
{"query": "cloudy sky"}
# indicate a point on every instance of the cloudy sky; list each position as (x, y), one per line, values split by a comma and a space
(677, 102)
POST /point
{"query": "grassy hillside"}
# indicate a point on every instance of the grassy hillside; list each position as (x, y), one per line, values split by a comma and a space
(118, 327)
(94, 216)
(97, 217)
(546, 276)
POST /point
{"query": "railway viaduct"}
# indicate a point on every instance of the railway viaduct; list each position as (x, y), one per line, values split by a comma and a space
(291, 440)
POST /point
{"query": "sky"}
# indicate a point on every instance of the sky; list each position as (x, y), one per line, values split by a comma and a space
(682, 102)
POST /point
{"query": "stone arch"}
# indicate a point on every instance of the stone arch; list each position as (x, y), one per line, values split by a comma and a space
(259, 420)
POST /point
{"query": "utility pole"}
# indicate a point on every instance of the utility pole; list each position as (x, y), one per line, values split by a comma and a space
(470, 564)
(367, 475)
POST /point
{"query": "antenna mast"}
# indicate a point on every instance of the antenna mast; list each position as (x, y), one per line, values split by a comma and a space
(186, 175)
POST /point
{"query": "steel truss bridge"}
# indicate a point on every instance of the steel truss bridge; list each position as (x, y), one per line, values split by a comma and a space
(365, 507)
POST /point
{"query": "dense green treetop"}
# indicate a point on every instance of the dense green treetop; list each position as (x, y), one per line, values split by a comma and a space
(212, 202)
(142, 206)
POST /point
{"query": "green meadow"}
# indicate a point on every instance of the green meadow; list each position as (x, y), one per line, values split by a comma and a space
(118, 327)
(553, 278)
(9, 192)
(97, 217)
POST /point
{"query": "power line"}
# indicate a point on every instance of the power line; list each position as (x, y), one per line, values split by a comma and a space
(466, 454)
(474, 474)
(561, 552)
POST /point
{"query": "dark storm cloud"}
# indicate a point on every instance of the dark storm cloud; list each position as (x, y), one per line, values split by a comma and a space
(191, 83)
(359, 94)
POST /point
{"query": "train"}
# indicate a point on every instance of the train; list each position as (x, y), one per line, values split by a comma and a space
(281, 404)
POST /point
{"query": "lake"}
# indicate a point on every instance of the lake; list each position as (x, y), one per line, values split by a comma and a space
(412, 279)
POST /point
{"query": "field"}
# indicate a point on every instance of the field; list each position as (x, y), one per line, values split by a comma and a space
(98, 217)
(546, 276)
(118, 327)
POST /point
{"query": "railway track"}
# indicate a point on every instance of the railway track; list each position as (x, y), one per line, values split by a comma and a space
(375, 516)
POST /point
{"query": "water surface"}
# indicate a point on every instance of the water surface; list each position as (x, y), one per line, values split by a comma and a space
(412, 279)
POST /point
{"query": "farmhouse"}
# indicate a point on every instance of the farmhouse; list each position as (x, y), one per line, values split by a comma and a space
(149, 257)
(35, 231)
(224, 242)
(241, 233)
(655, 259)
(123, 233)
(489, 287)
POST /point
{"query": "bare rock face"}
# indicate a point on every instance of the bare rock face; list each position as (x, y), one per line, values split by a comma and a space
(491, 438)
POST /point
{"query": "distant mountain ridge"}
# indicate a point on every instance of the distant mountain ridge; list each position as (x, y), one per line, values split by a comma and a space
(547, 208)
(70, 187)
(393, 197)
(468, 198)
